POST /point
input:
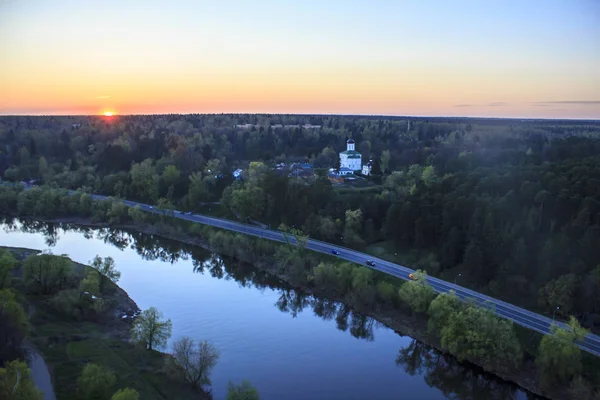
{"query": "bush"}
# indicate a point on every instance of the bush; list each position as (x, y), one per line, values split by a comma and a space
(96, 382)
(243, 391)
(125, 394)
(67, 302)
(15, 382)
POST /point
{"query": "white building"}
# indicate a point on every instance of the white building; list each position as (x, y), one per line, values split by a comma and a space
(350, 159)
(366, 169)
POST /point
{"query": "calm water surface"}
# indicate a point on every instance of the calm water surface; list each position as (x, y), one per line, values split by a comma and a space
(289, 345)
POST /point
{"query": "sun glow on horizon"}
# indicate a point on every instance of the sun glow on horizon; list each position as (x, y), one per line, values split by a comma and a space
(108, 113)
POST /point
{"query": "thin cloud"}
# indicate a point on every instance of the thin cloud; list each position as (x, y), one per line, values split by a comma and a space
(463, 105)
(569, 102)
(497, 104)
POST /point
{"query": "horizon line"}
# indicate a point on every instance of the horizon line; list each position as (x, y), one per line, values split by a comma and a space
(591, 119)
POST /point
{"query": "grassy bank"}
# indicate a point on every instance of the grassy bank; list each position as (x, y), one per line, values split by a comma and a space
(68, 344)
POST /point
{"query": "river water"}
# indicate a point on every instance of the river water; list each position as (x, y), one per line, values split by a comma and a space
(287, 344)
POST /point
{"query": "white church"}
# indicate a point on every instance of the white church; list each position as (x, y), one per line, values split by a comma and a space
(350, 160)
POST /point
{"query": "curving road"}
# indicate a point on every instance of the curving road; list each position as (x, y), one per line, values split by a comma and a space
(528, 319)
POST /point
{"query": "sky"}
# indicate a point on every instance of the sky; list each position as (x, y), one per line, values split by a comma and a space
(481, 58)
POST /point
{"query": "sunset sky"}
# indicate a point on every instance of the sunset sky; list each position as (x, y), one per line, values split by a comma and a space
(500, 58)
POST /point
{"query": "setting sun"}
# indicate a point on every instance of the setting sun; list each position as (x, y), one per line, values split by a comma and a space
(108, 113)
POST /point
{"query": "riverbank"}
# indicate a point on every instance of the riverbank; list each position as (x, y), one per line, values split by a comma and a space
(67, 344)
(402, 321)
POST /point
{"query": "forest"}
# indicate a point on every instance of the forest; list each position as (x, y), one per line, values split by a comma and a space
(509, 207)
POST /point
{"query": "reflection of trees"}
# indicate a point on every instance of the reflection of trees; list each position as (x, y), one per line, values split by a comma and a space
(325, 309)
(361, 326)
(455, 380)
(9, 224)
(48, 230)
(292, 301)
(150, 247)
(117, 238)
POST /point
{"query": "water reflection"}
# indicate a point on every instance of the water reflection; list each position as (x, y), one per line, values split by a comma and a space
(456, 380)
(151, 247)
(453, 379)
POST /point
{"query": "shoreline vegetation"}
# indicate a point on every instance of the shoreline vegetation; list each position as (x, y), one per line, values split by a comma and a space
(91, 335)
(369, 292)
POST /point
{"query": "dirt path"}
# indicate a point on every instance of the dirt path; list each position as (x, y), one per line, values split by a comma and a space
(40, 373)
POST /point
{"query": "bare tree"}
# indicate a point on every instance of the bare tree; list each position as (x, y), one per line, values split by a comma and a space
(195, 361)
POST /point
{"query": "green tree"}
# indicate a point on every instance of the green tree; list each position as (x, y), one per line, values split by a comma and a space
(170, 175)
(441, 309)
(197, 191)
(15, 326)
(324, 276)
(559, 357)
(90, 284)
(428, 175)
(125, 394)
(106, 269)
(7, 263)
(116, 212)
(477, 334)
(47, 272)
(170, 178)
(243, 391)
(16, 383)
(96, 382)
(473, 260)
(150, 330)
(352, 228)
(136, 214)
(363, 287)
(144, 181)
(85, 204)
(385, 161)
(195, 361)
(417, 293)
(43, 170)
(559, 293)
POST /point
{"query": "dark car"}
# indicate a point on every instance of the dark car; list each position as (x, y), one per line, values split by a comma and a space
(370, 263)
(337, 253)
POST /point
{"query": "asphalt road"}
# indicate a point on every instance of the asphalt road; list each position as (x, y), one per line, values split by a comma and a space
(528, 319)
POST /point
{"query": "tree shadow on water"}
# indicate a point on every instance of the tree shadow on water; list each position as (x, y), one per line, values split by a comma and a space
(454, 379)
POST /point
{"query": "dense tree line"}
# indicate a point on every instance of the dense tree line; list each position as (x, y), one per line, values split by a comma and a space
(510, 205)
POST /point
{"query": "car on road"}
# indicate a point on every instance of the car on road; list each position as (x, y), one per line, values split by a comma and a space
(335, 252)
(411, 276)
(370, 263)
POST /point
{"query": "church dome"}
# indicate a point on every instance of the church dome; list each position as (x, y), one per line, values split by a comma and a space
(350, 141)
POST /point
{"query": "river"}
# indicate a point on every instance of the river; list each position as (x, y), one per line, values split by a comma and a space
(287, 344)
